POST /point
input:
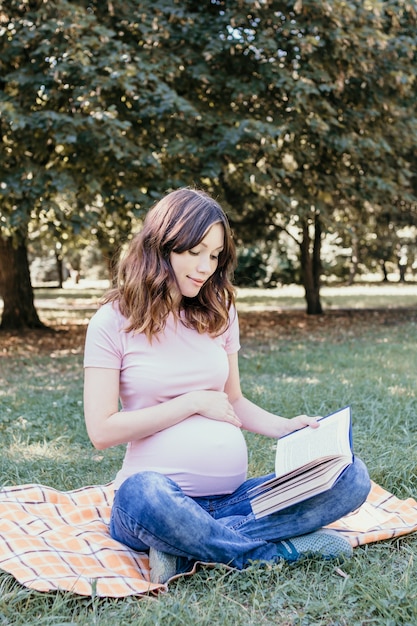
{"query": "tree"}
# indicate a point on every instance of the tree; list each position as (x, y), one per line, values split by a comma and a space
(332, 122)
(305, 113)
(298, 115)
(62, 94)
(15, 280)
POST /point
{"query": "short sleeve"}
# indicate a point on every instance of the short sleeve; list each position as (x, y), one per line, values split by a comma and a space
(232, 335)
(104, 338)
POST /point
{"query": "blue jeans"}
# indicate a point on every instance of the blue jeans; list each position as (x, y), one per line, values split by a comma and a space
(150, 510)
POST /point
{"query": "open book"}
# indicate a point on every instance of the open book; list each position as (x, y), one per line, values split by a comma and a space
(307, 462)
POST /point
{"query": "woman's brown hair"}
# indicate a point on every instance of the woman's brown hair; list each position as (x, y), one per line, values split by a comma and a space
(146, 289)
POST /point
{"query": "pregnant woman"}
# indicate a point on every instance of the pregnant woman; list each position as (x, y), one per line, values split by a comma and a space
(161, 375)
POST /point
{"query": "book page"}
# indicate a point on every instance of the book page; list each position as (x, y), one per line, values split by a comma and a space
(278, 487)
(301, 447)
(311, 484)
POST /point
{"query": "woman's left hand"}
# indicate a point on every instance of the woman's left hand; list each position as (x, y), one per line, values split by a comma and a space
(300, 421)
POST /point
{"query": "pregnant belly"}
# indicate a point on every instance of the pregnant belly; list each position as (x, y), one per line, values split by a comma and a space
(203, 456)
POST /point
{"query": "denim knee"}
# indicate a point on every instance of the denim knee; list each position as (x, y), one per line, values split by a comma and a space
(138, 491)
(137, 498)
(359, 482)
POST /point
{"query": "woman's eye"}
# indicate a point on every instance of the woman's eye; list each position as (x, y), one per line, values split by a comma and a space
(193, 253)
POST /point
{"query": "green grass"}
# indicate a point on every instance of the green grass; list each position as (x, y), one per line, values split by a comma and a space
(371, 366)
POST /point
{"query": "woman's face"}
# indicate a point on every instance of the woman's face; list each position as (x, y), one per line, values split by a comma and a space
(194, 267)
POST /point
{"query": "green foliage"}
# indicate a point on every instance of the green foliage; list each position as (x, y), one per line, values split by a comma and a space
(251, 268)
(263, 266)
(308, 102)
(286, 111)
(64, 137)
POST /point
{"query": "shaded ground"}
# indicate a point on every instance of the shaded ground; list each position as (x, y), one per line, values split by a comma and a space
(261, 327)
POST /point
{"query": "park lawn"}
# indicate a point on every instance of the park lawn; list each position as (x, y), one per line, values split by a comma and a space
(290, 363)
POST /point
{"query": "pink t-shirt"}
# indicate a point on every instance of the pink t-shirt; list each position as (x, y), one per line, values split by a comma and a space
(203, 456)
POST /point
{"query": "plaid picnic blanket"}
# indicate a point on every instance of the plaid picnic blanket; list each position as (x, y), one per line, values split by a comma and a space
(52, 540)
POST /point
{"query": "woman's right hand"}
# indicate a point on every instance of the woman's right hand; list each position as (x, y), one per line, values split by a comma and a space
(215, 405)
(108, 426)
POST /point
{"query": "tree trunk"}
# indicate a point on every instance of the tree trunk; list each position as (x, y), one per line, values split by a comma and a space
(59, 269)
(311, 266)
(402, 268)
(15, 287)
(384, 272)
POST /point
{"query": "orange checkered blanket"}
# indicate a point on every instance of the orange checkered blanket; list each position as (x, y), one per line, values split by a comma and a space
(53, 540)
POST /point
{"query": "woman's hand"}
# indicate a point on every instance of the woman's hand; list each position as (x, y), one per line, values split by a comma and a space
(216, 406)
(300, 421)
(107, 426)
